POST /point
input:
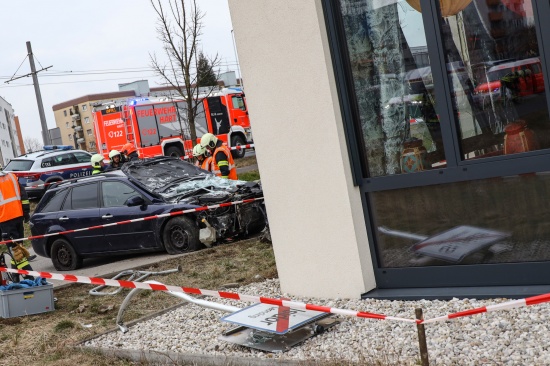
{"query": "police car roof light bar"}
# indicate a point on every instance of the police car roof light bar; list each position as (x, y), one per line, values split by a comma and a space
(58, 147)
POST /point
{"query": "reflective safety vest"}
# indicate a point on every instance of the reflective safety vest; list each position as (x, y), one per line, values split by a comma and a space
(10, 198)
(229, 163)
(207, 164)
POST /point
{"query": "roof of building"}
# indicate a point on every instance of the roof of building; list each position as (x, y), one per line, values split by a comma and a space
(93, 97)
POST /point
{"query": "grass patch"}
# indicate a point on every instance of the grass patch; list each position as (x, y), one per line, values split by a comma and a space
(246, 161)
(250, 176)
(63, 325)
(46, 339)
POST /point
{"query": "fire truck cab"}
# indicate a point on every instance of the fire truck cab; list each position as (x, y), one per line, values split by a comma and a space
(158, 125)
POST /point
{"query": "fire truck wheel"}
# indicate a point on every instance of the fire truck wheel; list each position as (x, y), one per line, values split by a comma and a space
(181, 235)
(236, 141)
(174, 151)
(64, 257)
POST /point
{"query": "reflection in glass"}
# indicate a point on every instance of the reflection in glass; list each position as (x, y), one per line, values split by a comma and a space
(393, 84)
(498, 92)
(499, 220)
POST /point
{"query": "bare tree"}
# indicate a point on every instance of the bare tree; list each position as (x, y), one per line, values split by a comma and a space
(179, 29)
(32, 144)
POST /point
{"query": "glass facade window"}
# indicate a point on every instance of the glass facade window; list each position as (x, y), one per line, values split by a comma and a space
(499, 97)
(488, 221)
(394, 86)
(455, 94)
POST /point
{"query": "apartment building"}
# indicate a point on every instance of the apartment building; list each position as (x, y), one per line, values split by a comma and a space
(10, 135)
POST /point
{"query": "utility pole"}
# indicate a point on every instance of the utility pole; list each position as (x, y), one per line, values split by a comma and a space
(45, 132)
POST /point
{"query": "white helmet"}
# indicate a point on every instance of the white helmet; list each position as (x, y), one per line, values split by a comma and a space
(198, 150)
(96, 160)
(113, 153)
(209, 140)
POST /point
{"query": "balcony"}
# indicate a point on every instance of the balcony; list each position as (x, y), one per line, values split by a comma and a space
(80, 140)
(75, 117)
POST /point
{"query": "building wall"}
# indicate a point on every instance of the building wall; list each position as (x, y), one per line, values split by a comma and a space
(9, 138)
(315, 212)
(19, 135)
(64, 120)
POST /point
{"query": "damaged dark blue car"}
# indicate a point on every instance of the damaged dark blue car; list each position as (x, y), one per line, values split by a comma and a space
(141, 189)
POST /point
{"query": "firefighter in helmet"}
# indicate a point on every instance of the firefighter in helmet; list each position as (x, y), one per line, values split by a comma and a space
(130, 151)
(202, 160)
(115, 160)
(97, 163)
(222, 160)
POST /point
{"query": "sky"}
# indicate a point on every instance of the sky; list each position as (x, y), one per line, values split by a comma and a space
(108, 40)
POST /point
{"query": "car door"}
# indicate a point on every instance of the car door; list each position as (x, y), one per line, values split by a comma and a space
(80, 165)
(114, 208)
(81, 210)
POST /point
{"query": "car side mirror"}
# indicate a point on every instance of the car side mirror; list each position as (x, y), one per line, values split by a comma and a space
(135, 201)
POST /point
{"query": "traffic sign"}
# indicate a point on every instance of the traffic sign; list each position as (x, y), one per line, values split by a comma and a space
(455, 244)
(272, 318)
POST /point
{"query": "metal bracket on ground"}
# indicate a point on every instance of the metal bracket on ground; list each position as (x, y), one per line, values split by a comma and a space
(134, 276)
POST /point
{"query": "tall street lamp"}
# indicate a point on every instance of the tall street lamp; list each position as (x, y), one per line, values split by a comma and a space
(237, 58)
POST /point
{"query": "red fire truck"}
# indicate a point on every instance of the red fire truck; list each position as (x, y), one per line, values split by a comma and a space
(158, 125)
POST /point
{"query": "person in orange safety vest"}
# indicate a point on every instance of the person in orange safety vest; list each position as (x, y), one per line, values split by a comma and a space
(14, 210)
(222, 160)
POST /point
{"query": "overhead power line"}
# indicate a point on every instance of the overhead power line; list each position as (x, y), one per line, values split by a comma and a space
(74, 82)
(59, 73)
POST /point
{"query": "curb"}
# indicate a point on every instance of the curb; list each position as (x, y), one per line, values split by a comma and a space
(173, 358)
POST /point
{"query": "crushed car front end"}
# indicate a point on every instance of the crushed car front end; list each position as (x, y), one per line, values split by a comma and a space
(184, 184)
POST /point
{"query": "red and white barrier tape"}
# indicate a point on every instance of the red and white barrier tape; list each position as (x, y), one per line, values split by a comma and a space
(175, 213)
(239, 147)
(534, 300)
(539, 299)
(198, 291)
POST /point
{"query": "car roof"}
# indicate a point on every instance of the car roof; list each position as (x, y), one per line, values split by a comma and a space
(38, 154)
(508, 65)
(89, 178)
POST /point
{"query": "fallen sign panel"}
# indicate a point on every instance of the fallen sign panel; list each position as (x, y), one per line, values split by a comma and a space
(455, 244)
(273, 318)
(274, 328)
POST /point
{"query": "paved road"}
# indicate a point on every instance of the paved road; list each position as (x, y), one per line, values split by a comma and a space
(98, 267)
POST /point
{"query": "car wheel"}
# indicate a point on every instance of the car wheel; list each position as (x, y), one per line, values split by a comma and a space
(174, 151)
(181, 235)
(64, 257)
(238, 141)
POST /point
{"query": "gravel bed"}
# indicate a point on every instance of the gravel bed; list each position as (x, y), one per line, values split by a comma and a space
(511, 337)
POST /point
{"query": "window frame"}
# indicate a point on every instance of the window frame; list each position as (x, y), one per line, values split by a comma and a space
(457, 169)
(70, 201)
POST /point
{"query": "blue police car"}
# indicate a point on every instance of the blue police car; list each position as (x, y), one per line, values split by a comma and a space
(37, 170)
